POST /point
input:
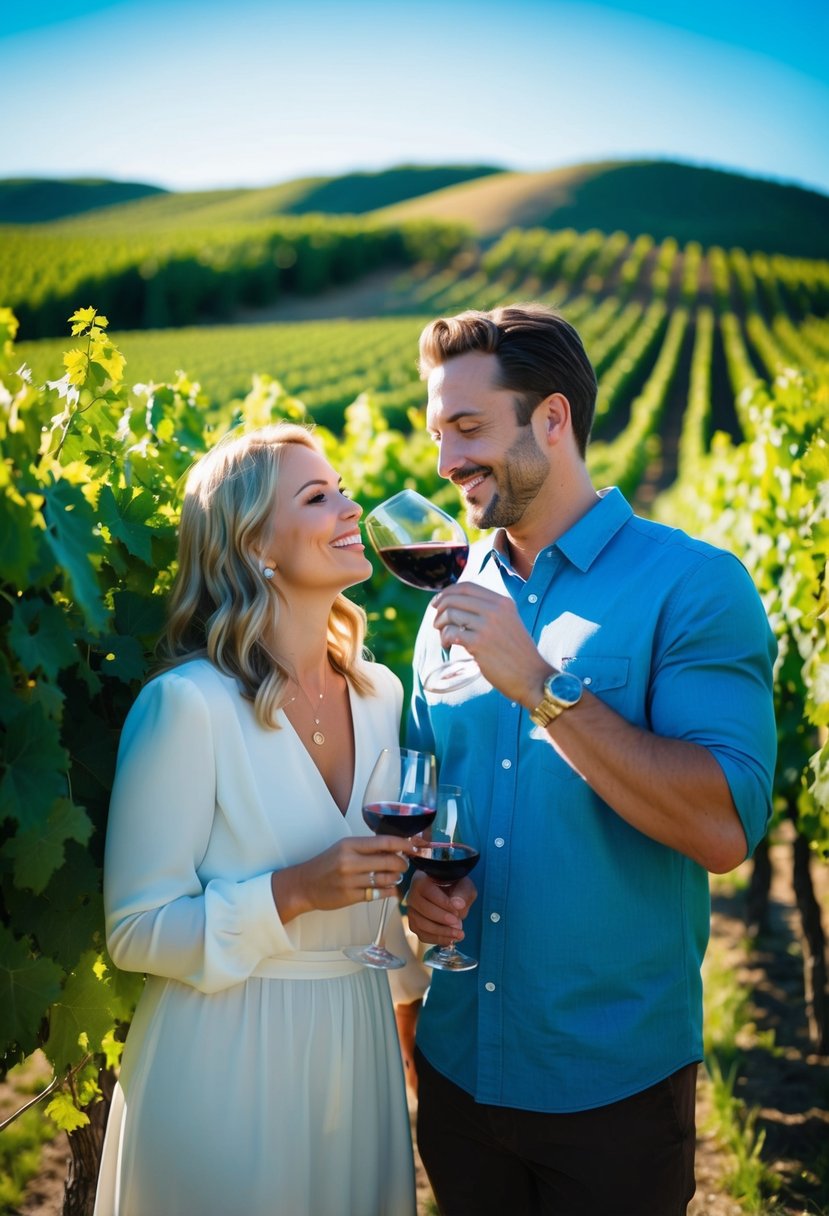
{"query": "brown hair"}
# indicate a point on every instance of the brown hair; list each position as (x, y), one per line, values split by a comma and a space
(538, 353)
(221, 605)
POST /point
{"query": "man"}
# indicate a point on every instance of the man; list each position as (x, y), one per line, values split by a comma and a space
(619, 745)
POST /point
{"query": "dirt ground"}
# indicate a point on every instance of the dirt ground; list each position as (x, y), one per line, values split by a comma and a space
(789, 1085)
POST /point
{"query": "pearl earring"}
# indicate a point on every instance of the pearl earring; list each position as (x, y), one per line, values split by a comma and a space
(268, 572)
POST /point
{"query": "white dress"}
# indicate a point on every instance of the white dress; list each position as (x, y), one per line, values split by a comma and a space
(262, 1073)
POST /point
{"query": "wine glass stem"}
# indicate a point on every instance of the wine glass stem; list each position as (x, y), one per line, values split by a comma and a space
(448, 951)
(378, 939)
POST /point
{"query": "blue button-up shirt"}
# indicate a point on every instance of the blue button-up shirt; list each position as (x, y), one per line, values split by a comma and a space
(589, 934)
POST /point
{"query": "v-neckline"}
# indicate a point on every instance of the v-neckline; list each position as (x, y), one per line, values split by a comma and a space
(343, 814)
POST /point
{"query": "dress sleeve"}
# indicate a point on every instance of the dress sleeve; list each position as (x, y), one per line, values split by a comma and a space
(159, 917)
(713, 683)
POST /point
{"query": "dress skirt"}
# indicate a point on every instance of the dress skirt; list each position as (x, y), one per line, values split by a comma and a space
(278, 1097)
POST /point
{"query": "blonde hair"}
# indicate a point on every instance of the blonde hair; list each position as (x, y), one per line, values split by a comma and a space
(221, 605)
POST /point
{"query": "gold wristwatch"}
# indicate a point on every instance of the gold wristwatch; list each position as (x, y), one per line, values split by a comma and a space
(562, 690)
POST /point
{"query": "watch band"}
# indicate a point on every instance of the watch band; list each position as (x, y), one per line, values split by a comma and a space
(546, 711)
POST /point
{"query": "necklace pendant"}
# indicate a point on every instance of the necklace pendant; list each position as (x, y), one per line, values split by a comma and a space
(318, 737)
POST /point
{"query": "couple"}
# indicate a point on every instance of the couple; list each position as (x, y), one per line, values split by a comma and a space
(619, 745)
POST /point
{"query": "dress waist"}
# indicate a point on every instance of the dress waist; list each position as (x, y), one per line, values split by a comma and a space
(307, 965)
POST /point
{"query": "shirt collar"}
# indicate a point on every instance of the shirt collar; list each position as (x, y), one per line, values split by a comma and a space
(583, 542)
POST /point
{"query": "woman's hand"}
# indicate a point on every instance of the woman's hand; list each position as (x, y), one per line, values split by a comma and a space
(435, 915)
(341, 875)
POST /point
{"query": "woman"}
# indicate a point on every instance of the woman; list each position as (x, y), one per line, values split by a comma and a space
(262, 1072)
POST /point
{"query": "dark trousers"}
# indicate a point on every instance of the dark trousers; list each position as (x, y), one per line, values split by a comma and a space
(631, 1158)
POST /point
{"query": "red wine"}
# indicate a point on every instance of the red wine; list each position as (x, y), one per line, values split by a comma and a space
(446, 863)
(429, 566)
(397, 818)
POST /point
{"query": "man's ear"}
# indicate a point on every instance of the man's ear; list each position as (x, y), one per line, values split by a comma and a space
(554, 412)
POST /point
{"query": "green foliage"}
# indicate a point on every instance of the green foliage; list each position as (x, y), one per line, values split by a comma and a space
(21, 1142)
(748, 1177)
(726, 1024)
(184, 274)
(767, 499)
(91, 489)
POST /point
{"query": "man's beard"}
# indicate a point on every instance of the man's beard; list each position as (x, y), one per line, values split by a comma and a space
(522, 472)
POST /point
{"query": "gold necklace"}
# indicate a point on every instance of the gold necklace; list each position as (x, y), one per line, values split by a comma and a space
(318, 737)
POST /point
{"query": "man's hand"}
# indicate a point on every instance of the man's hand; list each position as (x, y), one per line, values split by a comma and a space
(436, 916)
(489, 627)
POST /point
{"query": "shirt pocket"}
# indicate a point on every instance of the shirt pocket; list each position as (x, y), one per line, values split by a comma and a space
(606, 676)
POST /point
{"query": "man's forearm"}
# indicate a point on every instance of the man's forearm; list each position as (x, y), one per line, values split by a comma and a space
(669, 789)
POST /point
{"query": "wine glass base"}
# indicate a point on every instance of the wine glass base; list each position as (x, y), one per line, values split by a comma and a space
(374, 956)
(456, 673)
(441, 959)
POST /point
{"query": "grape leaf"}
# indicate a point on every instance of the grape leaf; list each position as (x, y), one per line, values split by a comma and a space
(39, 851)
(41, 638)
(68, 916)
(72, 536)
(82, 318)
(65, 1113)
(126, 515)
(35, 766)
(27, 987)
(123, 658)
(81, 1009)
(138, 616)
(50, 697)
(18, 540)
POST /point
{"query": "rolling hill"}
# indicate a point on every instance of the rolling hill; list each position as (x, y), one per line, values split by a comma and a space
(34, 200)
(149, 208)
(661, 198)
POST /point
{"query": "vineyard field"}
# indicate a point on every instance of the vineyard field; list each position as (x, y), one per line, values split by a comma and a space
(640, 307)
(713, 370)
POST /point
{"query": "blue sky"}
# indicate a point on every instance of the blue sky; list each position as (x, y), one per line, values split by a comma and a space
(195, 94)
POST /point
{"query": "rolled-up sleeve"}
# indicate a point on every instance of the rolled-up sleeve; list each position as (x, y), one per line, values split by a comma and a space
(713, 682)
(160, 918)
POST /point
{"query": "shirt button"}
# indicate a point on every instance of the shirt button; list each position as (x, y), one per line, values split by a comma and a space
(587, 680)
(533, 599)
(495, 917)
(499, 842)
(506, 764)
(490, 987)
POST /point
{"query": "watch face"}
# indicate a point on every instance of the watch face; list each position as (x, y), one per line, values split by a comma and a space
(566, 687)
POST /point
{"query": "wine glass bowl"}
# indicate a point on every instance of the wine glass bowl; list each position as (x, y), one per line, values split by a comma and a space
(400, 799)
(426, 548)
(446, 859)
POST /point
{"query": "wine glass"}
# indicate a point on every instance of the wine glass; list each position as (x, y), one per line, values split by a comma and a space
(447, 858)
(425, 548)
(400, 800)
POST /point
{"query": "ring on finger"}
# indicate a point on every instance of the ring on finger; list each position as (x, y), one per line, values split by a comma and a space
(372, 879)
(370, 894)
